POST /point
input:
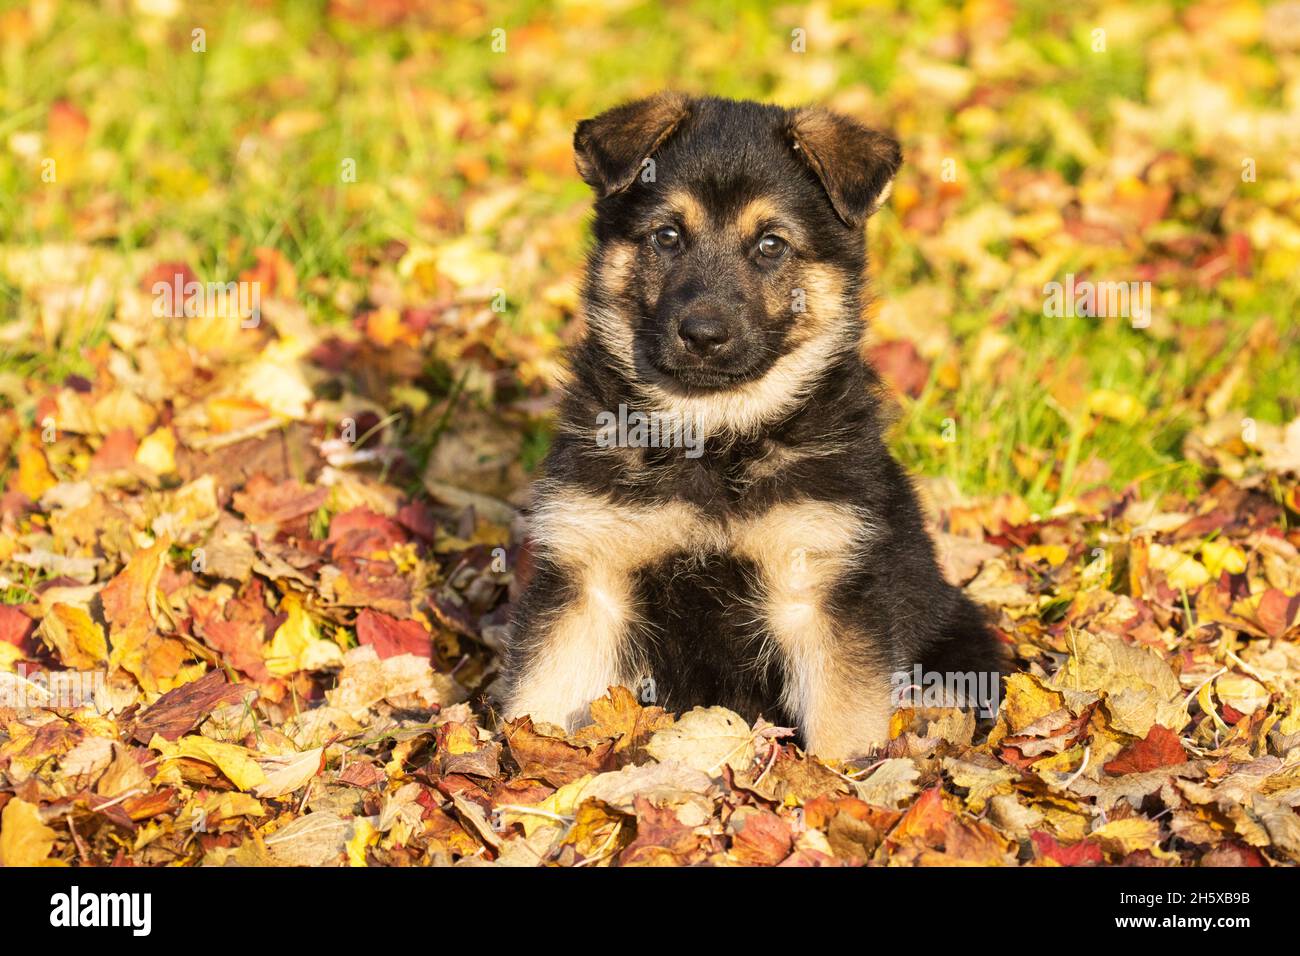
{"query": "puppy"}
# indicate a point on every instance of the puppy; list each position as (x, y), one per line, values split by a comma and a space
(719, 520)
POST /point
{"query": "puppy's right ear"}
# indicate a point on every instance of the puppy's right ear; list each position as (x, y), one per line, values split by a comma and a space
(611, 147)
(856, 165)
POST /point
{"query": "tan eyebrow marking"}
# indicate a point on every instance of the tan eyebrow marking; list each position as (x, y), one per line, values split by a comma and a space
(692, 214)
(755, 213)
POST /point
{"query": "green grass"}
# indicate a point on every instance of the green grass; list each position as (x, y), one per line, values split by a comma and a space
(182, 161)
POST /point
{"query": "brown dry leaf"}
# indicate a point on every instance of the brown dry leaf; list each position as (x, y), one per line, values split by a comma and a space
(1122, 837)
(687, 791)
(130, 603)
(462, 750)
(179, 711)
(124, 775)
(662, 839)
(931, 833)
(87, 760)
(551, 759)
(1140, 688)
(619, 715)
(983, 778)
(262, 501)
(598, 831)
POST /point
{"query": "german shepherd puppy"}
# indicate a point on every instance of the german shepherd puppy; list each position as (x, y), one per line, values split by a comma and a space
(742, 536)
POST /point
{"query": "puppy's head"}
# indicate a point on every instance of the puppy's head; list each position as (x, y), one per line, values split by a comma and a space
(729, 235)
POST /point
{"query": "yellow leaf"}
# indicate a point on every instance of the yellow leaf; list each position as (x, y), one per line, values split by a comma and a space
(215, 807)
(469, 262)
(24, 839)
(562, 803)
(78, 638)
(288, 772)
(1205, 698)
(1053, 554)
(706, 739)
(239, 764)
(461, 740)
(297, 644)
(123, 409)
(158, 452)
(226, 414)
(363, 834)
(34, 477)
(1027, 701)
(1181, 570)
(595, 827)
(1243, 694)
(291, 123)
(1141, 688)
(277, 381)
(9, 656)
(385, 327)
(1127, 836)
(1117, 406)
(1220, 555)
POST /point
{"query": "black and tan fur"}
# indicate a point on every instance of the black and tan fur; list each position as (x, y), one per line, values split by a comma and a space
(786, 571)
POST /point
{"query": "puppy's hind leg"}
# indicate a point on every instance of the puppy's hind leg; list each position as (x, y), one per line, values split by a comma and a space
(968, 658)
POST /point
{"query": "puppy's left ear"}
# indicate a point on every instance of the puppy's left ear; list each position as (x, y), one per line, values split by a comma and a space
(611, 147)
(856, 165)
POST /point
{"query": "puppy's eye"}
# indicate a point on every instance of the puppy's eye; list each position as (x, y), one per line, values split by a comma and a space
(667, 237)
(772, 247)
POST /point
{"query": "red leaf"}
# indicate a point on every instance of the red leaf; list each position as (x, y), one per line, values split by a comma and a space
(391, 637)
(1160, 748)
(238, 630)
(67, 125)
(15, 626)
(417, 518)
(1276, 612)
(174, 274)
(262, 501)
(761, 838)
(360, 533)
(116, 452)
(1077, 854)
(901, 366)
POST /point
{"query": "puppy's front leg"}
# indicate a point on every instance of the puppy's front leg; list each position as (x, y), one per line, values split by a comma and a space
(572, 652)
(834, 682)
(574, 637)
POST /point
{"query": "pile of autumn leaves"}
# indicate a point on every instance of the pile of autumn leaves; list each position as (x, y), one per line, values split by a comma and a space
(295, 670)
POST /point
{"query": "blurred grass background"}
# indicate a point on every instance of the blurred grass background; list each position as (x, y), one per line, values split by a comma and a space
(1115, 159)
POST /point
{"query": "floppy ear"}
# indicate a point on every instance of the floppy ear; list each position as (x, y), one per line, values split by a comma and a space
(611, 147)
(856, 165)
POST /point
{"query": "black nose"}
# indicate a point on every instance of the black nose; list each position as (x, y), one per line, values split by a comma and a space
(703, 334)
